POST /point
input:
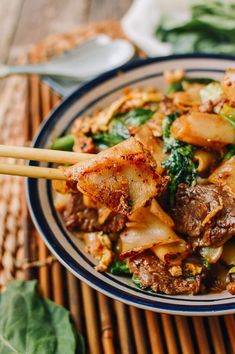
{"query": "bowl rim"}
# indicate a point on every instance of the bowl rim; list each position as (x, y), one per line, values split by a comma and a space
(55, 247)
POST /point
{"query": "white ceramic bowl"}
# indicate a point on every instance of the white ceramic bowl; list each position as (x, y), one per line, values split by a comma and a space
(69, 250)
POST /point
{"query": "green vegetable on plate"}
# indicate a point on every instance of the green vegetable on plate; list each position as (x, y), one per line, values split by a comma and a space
(179, 165)
(180, 85)
(230, 153)
(119, 268)
(63, 143)
(118, 131)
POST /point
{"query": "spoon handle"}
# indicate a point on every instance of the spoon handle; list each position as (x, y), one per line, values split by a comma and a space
(40, 69)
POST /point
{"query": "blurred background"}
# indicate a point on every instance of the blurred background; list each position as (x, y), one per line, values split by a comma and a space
(24, 22)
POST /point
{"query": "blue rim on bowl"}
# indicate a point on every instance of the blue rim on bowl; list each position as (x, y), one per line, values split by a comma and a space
(40, 199)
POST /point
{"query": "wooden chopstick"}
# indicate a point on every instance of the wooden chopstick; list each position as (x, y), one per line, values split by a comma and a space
(45, 155)
(32, 171)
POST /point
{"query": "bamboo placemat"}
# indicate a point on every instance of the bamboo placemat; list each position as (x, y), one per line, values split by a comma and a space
(108, 326)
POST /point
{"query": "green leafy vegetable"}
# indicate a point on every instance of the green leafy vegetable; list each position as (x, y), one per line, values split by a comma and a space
(210, 29)
(119, 268)
(137, 117)
(118, 127)
(175, 87)
(180, 85)
(199, 80)
(104, 140)
(230, 153)
(179, 165)
(33, 325)
(228, 113)
(64, 143)
(166, 126)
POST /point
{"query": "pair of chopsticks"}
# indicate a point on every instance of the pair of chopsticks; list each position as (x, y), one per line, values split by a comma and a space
(43, 155)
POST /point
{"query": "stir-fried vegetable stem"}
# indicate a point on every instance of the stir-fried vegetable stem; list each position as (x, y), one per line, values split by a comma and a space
(64, 143)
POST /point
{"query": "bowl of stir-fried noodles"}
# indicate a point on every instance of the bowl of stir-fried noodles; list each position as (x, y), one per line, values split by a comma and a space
(148, 217)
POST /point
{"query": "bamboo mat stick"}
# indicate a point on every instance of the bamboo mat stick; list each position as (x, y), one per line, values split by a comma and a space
(216, 335)
(29, 240)
(230, 326)
(57, 283)
(29, 249)
(56, 268)
(106, 324)
(35, 113)
(123, 328)
(201, 335)
(55, 99)
(182, 326)
(46, 99)
(44, 276)
(92, 328)
(74, 300)
(139, 335)
(169, 334)
(154, 332)
(34, 121)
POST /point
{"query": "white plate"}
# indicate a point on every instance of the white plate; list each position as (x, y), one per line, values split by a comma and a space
(69, 250)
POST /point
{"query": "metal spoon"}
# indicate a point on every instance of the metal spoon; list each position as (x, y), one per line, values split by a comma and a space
(82, 63)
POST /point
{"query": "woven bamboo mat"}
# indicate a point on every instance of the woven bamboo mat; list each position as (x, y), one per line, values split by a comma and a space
(108, 326)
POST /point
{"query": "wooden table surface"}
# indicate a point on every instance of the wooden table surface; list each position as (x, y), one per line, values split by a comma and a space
(24, 22)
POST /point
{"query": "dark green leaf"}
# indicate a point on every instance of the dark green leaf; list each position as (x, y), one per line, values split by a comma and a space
(104, 140)
(118, 127)
(199, 80)
(119, 268)
(33, 325)
(137, 117)
(179, 164)
(210, 29)
(175, 87)
(64, 143)
(166, 125)
(230, 153)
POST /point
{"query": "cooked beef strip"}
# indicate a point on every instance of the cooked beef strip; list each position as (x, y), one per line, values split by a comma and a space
(78, 217)
(154, 274)
(205, 213)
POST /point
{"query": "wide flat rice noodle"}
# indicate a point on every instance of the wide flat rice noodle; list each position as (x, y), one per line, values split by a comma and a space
(145, 231)
(122, 178)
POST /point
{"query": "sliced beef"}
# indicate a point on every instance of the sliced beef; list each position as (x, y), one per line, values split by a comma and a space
(206, 213)
(78, 217)
(154, 274)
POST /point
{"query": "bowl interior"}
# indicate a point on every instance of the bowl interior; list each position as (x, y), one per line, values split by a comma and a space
(68, 248)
